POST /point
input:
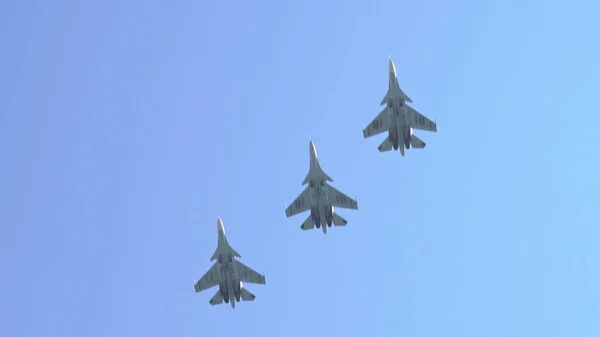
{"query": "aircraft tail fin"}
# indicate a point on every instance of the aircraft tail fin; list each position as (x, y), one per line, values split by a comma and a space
(247, 296)
(386, 145)
(416, 143)
(338, 220)
(217, 299)
(308, 224)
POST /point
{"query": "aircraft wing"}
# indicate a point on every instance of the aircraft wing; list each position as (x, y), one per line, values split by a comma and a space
(339, 199)
(377, 125)
(419, 121)
(209, 280)
(301, 204)
(246, 274)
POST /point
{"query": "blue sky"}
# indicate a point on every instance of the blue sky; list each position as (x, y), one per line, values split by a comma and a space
(126, 127)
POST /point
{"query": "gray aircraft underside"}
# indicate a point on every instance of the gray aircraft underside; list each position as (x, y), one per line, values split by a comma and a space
(228, 273)
(320, 198)
(398, 119)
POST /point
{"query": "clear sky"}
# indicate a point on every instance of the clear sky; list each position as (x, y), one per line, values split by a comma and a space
(127, 127)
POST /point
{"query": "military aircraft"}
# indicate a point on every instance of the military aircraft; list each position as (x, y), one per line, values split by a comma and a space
(228, 273)
(320, 198)
(398, 119)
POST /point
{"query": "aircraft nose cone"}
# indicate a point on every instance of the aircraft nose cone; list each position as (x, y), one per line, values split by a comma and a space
(220, 225)
(392, 67)
(313, 155)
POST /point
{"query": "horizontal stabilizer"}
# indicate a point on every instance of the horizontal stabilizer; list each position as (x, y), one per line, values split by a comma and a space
(386, 145)
(416, 143)
(338, 220)
(247, 296)
(217, 299)
(308, 223)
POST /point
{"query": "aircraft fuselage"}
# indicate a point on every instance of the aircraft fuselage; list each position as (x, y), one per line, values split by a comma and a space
(230, 286)
(399, 127)
(322, 212)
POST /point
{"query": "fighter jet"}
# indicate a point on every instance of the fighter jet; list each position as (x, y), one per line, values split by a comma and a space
(320, 198)
(398, 119)
(228, 273)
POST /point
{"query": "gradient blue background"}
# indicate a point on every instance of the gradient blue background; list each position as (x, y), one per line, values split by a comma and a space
(126, 127)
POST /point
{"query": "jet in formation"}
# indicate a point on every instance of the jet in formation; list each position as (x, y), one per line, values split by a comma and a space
(228, 273)
(320, 198)
(398, 119)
